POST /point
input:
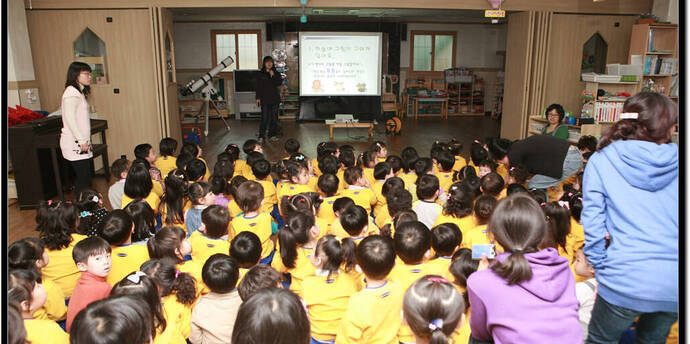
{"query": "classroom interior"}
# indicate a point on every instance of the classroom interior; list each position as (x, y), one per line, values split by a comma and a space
(494, 76)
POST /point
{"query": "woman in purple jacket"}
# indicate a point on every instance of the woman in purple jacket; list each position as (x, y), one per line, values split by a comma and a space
(528, 294)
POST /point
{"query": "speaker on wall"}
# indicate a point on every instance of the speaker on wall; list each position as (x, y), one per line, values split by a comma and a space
(275, 31)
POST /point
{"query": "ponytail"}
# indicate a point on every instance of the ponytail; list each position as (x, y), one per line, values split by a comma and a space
(306, 202)
(165, 243)
(515, 268)
(338, 252)
(433, 308)
(171, 280)
(295, 232)
(184, 288)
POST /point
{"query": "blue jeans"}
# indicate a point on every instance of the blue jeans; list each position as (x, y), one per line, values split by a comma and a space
(609, 322)
(571, 165)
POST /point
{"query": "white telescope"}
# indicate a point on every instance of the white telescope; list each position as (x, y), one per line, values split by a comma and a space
(194, 86)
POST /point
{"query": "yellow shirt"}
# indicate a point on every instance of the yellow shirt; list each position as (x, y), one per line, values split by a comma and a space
(270, 196)
(261, 225)
(362, 196)
(313, 183)
(239, 167)
(373, 316)
(502, 171)
(326, 300)
(383, 218)
(178, 316)
(164, 213)
(61, 268)
(54, 309)
(369, 175)
(303, 268)
(342, 185)
(153, 199)
(409, 178)
(326, 210)
(207, 175)
(126, 259)
(465, 223)
(445, 180)
(233, 208)
(166, 164)
(194, 269)
(338, 230)
(460, 162)
(157, 188)
(40, 331)
(324, 227)
(204, 246)
(247, 171)
(315, 164)
(381, 205)
(292, 189)
(479, 236)
(442, 266)
(463, 331)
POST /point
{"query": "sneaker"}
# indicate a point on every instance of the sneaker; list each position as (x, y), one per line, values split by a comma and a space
(274, 139)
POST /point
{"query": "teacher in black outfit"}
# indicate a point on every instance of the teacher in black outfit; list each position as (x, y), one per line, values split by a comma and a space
(268, 97)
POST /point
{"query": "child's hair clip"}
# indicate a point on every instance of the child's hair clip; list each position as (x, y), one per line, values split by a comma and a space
(630, 115)
(564, 204)
(543, 204)
(136, 277)
(580, 198)
(85, 214)
(94, 199)
(436, 324)
(50, 202)
(438, 279)
(177, 273)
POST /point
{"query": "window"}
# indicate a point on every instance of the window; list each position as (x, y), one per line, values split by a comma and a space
(90, 49)
(432, 51)
(243, 46)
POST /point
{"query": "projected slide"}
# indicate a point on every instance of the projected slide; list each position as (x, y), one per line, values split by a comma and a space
(340, 63)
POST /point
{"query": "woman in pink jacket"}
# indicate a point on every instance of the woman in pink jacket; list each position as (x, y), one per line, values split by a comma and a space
(75, 139)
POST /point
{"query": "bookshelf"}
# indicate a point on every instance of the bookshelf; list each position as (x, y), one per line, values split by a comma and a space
(657, 45)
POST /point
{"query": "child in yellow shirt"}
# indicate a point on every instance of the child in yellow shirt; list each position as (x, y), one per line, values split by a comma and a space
(324, 149)
(355, 224)
(382, 172)
(249, 146)
(250, 197)
(298, 175)
(358, 189)
(295, 244)
(167, 161)
(178, 291)
(433, 308)
(117, 230)
(461, 267)
(399, 201)
(408, 156)
(252, 158)
(330, 165)
(57, 225)
(483, 208)
(139, 185)
(445, 240)
(458, 208)
(328, 188)
(346, 159)
(373, 314)
(240, 165)
(396, 164)
(291, 146)
(327, 293)
(492, 184)
(444, 163)
(245, 248)
(25, 291)
(455, 149)
(390, 187)
(262, 171)
(366, 161)
(174, 204)
(212, 237)
(235, 183)
(171, 243)
(30, 254)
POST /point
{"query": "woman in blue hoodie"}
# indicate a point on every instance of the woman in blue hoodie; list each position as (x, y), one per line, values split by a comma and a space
(631, 192)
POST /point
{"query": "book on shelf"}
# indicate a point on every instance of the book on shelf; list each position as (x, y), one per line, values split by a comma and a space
(655, 65)
(607, 112)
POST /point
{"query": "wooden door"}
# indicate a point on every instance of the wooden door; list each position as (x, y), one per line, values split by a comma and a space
(517, 81)
(129, 99)
(166, 42)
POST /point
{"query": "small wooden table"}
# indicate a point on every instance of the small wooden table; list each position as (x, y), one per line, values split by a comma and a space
(351, 125)
(417, 100)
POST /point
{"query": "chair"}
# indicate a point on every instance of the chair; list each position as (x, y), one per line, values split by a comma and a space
(389, 103)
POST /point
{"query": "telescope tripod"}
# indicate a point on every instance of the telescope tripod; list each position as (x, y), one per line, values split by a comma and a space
(208, 102)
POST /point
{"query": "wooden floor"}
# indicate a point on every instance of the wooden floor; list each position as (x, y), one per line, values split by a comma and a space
(419, 133)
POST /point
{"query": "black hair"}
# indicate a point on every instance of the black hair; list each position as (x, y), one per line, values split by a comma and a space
(75, 68)
(340, 204)
(574, 200)
(258, 277)
(144, 220)
(183, 159)
(391, 185)
(305, 202)
(473, 184)
(166, 243)
(280, 168)
(519, 173)
(353, 174)
(235, 183)
(559, 110)
(445, 238)
(167, 146)
(395, 162)
(89, 247)
(170, 280)
(339, 253)
(294, 169)
(436, 148)
(24, 253)
(587, 155)
(295, 233)
(365, 159)
(116, 227)
(492, 184)
(376, 256)
(538, 195)
(558, 226)
(233, 150)
(197, 191)
(428, 299)
(518, 225)
(118, 167)
(291, 146)
(399, 218)
(250, 194)
(245, 248)
(483, 208)
(499, 148)
(261, 169)
(462, 266)
(465, 172)
(347, 158)
(515, 188)
(478, 153)
(328, 184)
(216, 220)
(195, 169)
(353, 219)
(253, 157)
(220, 273)
(377, 146)
(138, 184)
(446, 160)
(422, 166)
(300, 159)
(225, 156)
(326, 148)
(16, 332)
(20, 285)
(455, 147)
(176, 189)
(190, 148)
(460, 200)
(411, 241)
(397, 201)
(427, 186)
(263, 63)
(128, 321)
(488, 163)
(408, 155)
(141, 151)
(142, 287)
(587, 142)
(249, 146)
(328, 164)
(87, 203)
(224, 169)
(272, 315)
(381, 170)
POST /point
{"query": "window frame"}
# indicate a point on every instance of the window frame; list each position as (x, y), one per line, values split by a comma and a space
(433, 48)
(214, 58)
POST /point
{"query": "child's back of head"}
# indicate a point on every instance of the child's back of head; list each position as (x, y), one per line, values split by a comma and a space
(335, 253)
(433, 309)
(261, 169)
(250, 194)
(354, 220)
(395, 162)
(460, 201)
(233, 150)
(492, 184)
(427, 187)
(245, 248)
(195, 169)
(326, 148)
(305, 202)
(409, 155)
(26, 253)
(167, 146)
(558, 226)
(138, 183)
(516, 188)
(291, 146)
(250, 146)
(375, 256)
(423, 166)
(216, 220)
(465, 173)
(478, 153)
(198, 192)
(220, 273)
(235, 183)
(483, 208)
(445, 238)
(328, 184)
(170, 280)
(129, 321)
(366, 159)
(143, 218)
(446, 160)
(353, 175)
(120, 167)
(328, 164)
(341, 204)
(258, 277)
(299, 230)
(117, 227)
(382, 170)
(398, 200)
(347, 158)
(411, 241)
(462, 266)
(391, 185)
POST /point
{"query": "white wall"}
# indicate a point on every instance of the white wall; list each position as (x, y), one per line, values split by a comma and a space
(20, 66)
